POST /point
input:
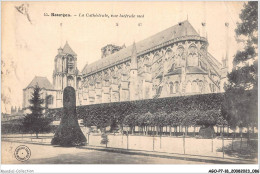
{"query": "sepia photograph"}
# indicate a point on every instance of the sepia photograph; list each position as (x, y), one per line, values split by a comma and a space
(130, 82)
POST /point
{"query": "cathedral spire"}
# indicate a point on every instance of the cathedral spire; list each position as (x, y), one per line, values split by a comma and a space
(134, 57)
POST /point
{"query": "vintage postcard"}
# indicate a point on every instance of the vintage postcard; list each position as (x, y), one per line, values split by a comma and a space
(130, 83)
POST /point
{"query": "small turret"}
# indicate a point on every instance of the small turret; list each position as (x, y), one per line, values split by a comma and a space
(60, 50)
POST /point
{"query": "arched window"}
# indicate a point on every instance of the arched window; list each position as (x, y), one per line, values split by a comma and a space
(203, 49)
(195, 86)
(176, 87)
(70, 81)
(171, 88)
(201, 86)
(146, 60)
(70, 63)
(59, 64)
(78, 82)
(147, 92)
(213, 88)
(168, 60)
(49, 100)
(188, 87)
(180, 57)
(193, 59)
(155, 64)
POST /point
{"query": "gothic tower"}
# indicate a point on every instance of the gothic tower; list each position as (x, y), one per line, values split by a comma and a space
(65, 70)
(133, 88)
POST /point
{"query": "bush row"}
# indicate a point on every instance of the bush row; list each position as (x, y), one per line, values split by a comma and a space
(107, 114)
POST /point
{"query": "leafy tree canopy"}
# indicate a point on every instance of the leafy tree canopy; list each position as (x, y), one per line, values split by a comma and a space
(239, 107)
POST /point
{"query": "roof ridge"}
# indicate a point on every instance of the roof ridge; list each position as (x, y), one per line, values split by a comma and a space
(42, 82)
(145, 44)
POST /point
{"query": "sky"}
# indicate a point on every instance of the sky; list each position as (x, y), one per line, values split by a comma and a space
(29, 44)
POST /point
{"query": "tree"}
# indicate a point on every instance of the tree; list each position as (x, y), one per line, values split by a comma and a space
(35, 121)
(243, 79)
(130, 120)
(190, 119)
(161, 121)
(245, 63)
(175, 119)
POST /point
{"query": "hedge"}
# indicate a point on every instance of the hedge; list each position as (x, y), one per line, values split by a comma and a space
(106, 114)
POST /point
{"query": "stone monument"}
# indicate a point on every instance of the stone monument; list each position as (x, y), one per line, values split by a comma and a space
(69, 132)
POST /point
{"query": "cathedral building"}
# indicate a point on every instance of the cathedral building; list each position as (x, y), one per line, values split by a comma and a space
(173, 62)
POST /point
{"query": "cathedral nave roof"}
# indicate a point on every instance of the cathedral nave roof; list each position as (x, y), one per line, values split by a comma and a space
(181, 29)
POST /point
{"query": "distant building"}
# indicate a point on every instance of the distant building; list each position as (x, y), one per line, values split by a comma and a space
(48, 93)
(16, 113)
(173, 62)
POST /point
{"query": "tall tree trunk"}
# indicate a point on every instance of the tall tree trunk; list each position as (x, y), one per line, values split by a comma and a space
(223, 130)
(175, 130)
(88, 139)
(160, 141)
(241, 136)
(248, 135)
(153, 136)
(212, 142)
(223, 150)
(122, 129)
(122, 140)
(170, 130)
(157, 130)
(194, 131)
(183, 142)
(127, 141)
(186, 130)
(232, 141)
